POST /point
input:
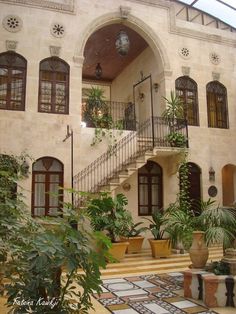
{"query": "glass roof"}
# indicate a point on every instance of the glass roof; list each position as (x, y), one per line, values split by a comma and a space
(224, 10)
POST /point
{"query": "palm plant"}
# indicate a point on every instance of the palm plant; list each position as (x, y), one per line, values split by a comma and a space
(157, 225)
(135, 230)
(217, 222)
(175, 107)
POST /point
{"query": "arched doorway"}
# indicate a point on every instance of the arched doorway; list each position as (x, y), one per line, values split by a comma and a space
(229, 184)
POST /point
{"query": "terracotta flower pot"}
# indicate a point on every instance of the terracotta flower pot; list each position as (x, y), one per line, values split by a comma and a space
(135, 244)
(118, 250)
(199, 251)
(160, 248)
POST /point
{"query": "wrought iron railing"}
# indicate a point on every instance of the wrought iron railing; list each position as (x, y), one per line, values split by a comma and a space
(121, 114)
(152, 133)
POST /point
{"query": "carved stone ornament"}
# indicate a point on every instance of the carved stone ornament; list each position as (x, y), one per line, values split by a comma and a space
(12, 23)
(55, 51)
(186, 71)
(58, 30)
(11, 45)
(215, 76)
(214, 58)
(184, 52)
(124, 11)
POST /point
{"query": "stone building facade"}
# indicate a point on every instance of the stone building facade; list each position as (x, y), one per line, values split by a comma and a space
(200, 51)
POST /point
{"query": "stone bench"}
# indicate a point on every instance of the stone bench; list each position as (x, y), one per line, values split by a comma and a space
(213, 290)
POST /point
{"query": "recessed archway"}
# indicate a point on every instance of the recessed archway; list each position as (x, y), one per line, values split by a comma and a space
(146, 58)
(228, 184)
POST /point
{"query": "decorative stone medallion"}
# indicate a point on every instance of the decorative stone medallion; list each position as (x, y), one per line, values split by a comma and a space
(12, 23)
(212, 191)
(58, 30)
(11, 45)
(214, 58)
(184, 52)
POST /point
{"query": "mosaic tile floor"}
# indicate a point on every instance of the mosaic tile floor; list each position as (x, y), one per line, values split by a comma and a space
(148, 294)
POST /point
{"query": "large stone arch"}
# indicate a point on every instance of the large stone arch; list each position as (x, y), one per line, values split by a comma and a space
(133, 22)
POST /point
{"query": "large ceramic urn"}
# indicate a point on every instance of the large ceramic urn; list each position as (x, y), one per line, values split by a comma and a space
(199, 251)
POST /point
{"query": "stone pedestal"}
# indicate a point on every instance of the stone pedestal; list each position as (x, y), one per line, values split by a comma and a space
(215, 291)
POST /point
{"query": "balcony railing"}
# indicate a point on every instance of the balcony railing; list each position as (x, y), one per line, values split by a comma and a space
(113, 114)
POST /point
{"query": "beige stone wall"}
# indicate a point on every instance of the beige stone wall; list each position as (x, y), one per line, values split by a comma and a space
(41, 134)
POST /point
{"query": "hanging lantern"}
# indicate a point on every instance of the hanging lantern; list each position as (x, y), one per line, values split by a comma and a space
(98, 71)
(122, 43)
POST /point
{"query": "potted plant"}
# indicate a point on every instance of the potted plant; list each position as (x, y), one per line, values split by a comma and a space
(110, 216)
(174, 111)
(95, 105)
(160, 245)
(214, 224)
(133, 236)
(176, 139)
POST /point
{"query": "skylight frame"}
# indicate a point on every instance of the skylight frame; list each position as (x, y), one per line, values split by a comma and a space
(226, 6)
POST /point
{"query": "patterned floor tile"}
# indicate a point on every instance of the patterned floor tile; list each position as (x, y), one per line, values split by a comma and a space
(148, 294)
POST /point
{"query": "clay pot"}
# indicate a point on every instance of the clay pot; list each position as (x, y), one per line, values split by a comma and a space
(199, 251)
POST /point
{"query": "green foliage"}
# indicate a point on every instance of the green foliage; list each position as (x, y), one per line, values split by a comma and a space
(96, 114)
(109, 215)
(46, 261)
(158, 224)
(135, 230)
(174, 108)
(218, 223)
(176, 139)
(183, 198)
(219, 268)
(95, 105)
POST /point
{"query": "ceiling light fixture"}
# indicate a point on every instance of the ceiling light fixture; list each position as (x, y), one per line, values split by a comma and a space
(122, 43)
(98, 71)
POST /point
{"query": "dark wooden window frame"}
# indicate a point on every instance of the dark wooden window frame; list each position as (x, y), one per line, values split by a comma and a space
(10, 57)
(53, 61)
(186, 84)
(47, 185)
(217, 89)
(149, 184)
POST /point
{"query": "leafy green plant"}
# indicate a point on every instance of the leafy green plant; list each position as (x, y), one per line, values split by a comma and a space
(174, 108)
(217, 222)
(52, 269)
(218, 268)
(135, 230)
(158, 225)
(176, 139)
(109, 215)
(95, 105)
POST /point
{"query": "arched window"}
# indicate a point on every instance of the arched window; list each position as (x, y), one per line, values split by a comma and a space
(46, 182)
(186, 89)
(12, 81)
(217, 105)
(149, 188)
(54, 86)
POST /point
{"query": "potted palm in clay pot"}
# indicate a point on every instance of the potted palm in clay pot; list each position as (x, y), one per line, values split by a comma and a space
(160, 244)
(134, 237)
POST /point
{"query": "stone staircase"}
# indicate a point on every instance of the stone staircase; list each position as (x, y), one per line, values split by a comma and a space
(143, 263)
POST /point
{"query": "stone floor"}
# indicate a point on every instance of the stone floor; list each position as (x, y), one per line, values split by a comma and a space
(133, 284)
(132, 275)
